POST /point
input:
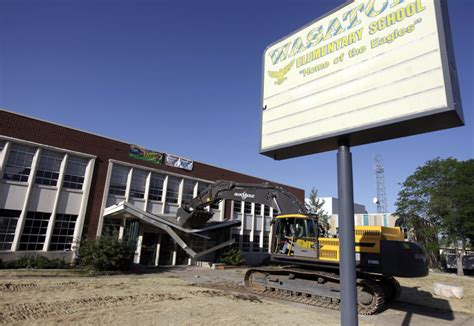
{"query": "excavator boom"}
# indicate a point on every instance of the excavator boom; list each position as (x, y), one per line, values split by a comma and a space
(194, 214)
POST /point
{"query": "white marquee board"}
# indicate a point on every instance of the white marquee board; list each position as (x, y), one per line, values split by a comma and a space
(371, 70)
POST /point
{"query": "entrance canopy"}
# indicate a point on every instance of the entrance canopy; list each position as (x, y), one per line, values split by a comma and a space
(165, 223)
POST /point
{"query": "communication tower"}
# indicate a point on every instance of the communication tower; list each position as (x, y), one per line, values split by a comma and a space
(381, 199)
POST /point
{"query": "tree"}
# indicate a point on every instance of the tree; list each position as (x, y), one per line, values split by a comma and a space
(314, 205)
(436, 203)
(454, 201)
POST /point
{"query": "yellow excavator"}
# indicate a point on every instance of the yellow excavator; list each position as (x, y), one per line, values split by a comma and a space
(306, 263)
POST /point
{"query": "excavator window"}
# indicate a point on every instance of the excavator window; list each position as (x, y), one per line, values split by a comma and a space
(286, 233)
(305, 229)
(300, 229)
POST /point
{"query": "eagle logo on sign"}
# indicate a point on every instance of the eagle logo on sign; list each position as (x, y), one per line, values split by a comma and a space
(280, 74)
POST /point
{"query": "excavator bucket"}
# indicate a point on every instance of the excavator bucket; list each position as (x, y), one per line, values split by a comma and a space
(192, 219)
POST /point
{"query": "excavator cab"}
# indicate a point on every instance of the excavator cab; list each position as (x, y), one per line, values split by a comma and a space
(296, 235)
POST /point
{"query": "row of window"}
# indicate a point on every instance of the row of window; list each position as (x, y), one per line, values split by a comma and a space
(34, 230)
(119, 178)
(243, 241)
(248, 208)
(20, 158)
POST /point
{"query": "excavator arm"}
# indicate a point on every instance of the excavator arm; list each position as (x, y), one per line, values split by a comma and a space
(194, 213)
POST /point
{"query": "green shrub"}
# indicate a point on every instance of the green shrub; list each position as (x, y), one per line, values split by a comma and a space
(233, 257)
(33, 261)
(106, 254)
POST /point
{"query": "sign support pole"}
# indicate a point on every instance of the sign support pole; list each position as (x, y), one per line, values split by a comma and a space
(347, 261)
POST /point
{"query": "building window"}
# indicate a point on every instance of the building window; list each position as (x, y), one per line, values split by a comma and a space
(8, 221)
(188, 191)
(265, 243)
(215, 206)
(75, 172)
(131, 231)
(48, 168)
(236, 237)
(34, 231)
(247, 208)
(246, 244)
(137, 188)
(266, 211)
(63, 232)
(18, 166)
(366, 219)
(237, 206)
(258, 209)
(111, 227)
(172, 191)
(256, 242)
(156, 186)
(202, 186)
(118, 182)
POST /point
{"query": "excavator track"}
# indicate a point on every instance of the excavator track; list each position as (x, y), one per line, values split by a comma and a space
(391, 288)
(271, 282)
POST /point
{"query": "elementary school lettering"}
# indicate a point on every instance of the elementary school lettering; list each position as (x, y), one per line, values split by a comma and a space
(347, 21)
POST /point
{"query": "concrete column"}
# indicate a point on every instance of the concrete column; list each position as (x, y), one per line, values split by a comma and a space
(158, 247)
(3, 157)
(104, 198)
(24, 210)
(82, 211)
(52, 219)
(147, 190)
(129, 183)
(175, 253)
(138, 251)
(180, 192)
(252, 227)
(222, 210)
(122, 229)
(243, 223)
(163, 197)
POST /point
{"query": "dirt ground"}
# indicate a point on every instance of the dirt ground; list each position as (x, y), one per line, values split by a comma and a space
(198, 296)
(419, 291)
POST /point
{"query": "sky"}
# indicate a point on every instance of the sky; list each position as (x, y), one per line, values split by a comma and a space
(184, 77)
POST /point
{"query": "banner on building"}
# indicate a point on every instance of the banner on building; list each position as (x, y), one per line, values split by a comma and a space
(179, 162)
(145, 154)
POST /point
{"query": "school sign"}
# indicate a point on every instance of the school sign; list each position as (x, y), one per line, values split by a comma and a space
(369, 71)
